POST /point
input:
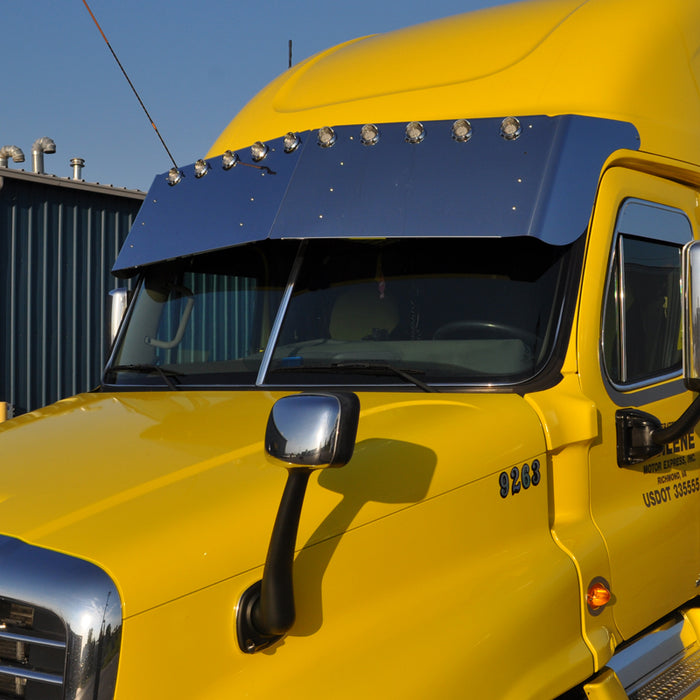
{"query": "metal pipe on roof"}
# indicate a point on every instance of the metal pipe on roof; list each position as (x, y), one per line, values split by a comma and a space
(39, 147)
(7, 152)
(77, 164)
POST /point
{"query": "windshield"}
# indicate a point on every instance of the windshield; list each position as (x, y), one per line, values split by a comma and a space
(424, 314)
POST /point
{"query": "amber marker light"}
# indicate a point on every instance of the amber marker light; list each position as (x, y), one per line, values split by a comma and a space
(201, 168)
(326, 137)
(174, 176)
(229, 160)
(258, 151)
(415, 132)
(598, 595)
(510, 128)
(462, 130)
(291, 142)
(369, 135)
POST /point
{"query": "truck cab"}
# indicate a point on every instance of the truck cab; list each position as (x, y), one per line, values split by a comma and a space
(403, 402)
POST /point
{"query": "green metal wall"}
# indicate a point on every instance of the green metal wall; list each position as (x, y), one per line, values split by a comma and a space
(57, 246)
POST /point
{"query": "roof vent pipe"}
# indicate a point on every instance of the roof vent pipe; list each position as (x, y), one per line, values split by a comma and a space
(7, 152)
(77, 164)
(39, 147)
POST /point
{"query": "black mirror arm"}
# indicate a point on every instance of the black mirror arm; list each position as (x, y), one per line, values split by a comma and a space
(685, 423)
(276, 613)
(304, 432)
(266, 610)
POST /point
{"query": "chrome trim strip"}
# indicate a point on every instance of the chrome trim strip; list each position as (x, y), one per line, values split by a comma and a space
(621, 286)
(27, 639)
(26, 674)
(281, 311)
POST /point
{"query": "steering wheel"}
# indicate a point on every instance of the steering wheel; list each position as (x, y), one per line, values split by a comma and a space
(487, 330)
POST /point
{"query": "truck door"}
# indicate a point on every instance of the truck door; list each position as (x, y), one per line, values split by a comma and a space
(629, 343)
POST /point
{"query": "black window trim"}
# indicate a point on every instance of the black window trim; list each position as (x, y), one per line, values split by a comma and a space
(616, 260)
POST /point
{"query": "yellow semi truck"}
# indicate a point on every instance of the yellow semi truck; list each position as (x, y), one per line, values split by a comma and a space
(403, 404)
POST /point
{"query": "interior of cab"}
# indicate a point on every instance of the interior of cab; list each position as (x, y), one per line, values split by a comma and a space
(478, 307)
(450, 310)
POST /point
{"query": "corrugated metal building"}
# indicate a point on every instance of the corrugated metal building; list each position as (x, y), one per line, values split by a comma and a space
(59, 238)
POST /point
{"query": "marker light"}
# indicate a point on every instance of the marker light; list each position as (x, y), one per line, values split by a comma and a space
(291, 142)
(326, 137)
(510, 128)
(462, 130)
(174, 176)
(598, 595)
(415, 132)
(229, 159)
(369, 135)
(258, 151)
(201, 168)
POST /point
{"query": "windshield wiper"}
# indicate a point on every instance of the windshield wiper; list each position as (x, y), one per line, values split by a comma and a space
(166, 374)
(380, 368)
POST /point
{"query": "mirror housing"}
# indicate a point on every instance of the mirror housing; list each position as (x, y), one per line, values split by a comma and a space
(313, 430)
(118, 301)
(691, 315)
(635, 436)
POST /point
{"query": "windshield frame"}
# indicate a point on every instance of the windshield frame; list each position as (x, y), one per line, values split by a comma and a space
(361, 375)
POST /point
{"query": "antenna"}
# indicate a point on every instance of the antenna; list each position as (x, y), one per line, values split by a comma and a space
(290, 53)
(131, 85)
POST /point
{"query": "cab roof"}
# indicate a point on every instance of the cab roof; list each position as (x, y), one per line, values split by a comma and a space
(635, 61)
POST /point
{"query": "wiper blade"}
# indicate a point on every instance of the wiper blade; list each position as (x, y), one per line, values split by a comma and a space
(381, 368)
(166, 374)
(385, 368)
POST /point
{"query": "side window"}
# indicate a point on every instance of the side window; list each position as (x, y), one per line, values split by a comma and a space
(641, 339)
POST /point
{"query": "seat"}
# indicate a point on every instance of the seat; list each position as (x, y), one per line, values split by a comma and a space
(363, 313)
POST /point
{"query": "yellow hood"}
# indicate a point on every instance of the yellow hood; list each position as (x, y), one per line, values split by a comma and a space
(172, 492)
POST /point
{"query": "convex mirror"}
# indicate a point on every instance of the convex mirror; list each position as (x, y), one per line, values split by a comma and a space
(313, 430)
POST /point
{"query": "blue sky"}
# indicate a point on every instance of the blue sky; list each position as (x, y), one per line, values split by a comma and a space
(195, 64)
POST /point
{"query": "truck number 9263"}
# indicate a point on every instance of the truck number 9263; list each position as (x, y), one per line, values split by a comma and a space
(519, 478)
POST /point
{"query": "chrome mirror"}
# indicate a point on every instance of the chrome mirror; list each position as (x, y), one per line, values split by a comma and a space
(118, 301)
(313, 430)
